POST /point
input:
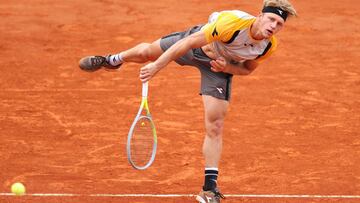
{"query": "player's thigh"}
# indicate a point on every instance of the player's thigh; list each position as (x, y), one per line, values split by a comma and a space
(215, 108)
(154, 50)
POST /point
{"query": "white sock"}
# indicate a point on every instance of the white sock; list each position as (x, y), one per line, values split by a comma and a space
(116, 59)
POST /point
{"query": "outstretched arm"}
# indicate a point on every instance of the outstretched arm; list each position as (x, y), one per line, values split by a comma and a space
(175, 51)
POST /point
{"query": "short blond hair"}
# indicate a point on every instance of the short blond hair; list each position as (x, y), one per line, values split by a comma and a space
(283, 4)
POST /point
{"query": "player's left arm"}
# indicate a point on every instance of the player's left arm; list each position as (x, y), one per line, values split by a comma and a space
(240, 68)
(246, 67)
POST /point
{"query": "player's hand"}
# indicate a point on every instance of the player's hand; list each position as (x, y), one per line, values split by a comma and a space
(218, 65)
(148, 71)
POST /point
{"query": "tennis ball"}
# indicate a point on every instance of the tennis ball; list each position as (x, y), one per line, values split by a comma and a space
(18, 189)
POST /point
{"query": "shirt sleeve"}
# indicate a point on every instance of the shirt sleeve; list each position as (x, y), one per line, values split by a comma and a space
(224, 27)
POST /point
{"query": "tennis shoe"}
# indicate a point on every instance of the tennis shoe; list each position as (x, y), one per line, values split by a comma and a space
(210, 196)
(94, 63)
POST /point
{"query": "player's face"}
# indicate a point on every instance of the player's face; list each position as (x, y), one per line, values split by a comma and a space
(270, 24)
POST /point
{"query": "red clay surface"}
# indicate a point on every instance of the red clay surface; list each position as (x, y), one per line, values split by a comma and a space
(292, 127)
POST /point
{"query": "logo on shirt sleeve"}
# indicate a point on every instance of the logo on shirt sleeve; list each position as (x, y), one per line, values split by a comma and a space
(215, 32)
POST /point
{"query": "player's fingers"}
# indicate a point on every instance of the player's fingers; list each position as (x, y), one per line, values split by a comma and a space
(220, 64)
(214, 69)
(143, 80)
(144, 77)
(144, 74)
(144, 70)
(221, 61)
(216, 65)
(213, 64)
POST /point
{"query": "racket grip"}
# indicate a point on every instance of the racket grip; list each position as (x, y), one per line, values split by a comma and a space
(145, 88)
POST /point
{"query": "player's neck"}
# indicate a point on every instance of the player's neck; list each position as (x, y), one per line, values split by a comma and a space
(255, 30)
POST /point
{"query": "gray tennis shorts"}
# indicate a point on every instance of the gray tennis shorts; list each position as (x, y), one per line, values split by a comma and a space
(216, 84)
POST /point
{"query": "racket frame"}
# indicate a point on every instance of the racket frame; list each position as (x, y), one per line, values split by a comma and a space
(143, 105)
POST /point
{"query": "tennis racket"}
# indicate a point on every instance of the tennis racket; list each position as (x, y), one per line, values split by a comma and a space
(142, 140)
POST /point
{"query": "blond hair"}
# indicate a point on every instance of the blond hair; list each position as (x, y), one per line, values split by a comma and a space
(283, 4)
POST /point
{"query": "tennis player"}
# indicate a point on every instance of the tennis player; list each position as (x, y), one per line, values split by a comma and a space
(230, 43)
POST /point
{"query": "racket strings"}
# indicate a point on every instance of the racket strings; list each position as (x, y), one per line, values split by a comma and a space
(142, 142)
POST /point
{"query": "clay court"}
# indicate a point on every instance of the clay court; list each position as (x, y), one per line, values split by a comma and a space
(292, 127)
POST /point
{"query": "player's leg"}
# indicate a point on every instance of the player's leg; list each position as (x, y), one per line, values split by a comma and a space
(141, 53)
(215, 111)
(216, 91)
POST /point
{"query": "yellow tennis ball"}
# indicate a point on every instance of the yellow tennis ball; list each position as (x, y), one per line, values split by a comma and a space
(18, 188)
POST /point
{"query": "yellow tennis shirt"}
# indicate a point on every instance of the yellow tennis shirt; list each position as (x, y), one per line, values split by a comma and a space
(229, 34)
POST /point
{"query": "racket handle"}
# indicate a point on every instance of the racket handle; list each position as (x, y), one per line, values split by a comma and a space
(145, 88)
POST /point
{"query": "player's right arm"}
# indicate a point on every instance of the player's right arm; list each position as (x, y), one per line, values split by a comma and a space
(177, 50)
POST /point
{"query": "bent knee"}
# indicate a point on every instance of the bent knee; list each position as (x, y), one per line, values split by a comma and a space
(149, 52)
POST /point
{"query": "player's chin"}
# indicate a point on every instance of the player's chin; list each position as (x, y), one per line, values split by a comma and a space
(267, 34)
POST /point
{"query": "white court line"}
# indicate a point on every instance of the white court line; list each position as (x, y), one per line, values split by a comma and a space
(191, 195)
(60, 90)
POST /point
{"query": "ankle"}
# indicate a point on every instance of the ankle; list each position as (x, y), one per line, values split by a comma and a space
(115, 59)
(210, 182)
